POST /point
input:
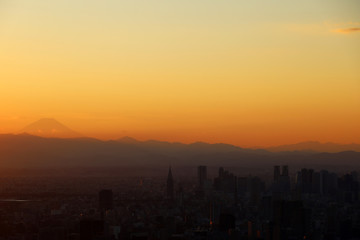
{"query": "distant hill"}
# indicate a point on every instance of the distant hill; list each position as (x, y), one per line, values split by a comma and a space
(313, 146)
(28, 151)
(49, 127)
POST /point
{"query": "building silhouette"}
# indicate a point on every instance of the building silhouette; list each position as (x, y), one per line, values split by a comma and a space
(202, 176)
(170, 185)
(276, 173)
(285, 171)
(225, 182)
(305, 180)
(281, 179)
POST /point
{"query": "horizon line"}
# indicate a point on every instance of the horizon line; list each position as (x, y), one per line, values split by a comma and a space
(179, 142)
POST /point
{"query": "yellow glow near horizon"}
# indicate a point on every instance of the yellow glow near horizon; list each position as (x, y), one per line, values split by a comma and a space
(240, 72)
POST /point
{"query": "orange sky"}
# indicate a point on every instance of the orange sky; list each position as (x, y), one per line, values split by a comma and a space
(247, 73)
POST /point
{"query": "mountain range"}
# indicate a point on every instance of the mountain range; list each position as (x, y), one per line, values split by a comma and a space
(29, 151)
(313, 146)
(49, 127)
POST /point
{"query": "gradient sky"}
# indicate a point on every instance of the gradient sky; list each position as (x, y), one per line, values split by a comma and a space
(250, 73)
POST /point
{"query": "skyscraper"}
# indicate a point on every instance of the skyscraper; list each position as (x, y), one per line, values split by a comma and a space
(276, 173)
(281, 179)
(170, 185)
(285, 170)
(202, 176)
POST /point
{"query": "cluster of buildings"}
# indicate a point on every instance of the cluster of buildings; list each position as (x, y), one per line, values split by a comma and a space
(306, 204)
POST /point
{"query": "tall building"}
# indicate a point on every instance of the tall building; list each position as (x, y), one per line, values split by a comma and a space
(305, 180)
(348, 188)
(285, 170)
(170, 185)
(202, 176)
(276, 173)
(225, 182)
(105, 199)
(281, 179)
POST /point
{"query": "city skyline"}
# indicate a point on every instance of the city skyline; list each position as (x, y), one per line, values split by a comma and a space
(179, 120)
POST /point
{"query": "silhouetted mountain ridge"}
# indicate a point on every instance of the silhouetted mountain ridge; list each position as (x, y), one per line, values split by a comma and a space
(314, 146)
(49, 127)
(29, 151)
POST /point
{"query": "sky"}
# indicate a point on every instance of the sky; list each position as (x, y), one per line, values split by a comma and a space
(249, 73)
